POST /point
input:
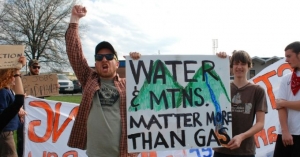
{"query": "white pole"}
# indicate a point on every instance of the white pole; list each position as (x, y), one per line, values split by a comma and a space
(215, 45)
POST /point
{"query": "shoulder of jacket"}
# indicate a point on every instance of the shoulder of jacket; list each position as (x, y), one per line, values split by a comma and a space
(3, 91)
(121, 79)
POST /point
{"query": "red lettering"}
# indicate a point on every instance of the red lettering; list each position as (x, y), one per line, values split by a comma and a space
(283, 67)
(263, 136)
(31, 132)
(148, 154)
(271, 135)
(265, 79)
(52, 122)
(268, 138)
(72, 152)
(57, 132)
(53, 154)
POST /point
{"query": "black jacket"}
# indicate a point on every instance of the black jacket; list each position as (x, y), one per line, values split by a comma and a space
(11, 111)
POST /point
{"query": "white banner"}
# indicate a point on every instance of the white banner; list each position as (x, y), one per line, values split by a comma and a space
(270, 78)
(47, 128)
(48, 124)
(177, 102)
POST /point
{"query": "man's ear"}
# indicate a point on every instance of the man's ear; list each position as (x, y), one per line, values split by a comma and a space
(96, 68)
(117, 64)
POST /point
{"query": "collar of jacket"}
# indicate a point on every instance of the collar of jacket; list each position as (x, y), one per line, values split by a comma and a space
(116, 78)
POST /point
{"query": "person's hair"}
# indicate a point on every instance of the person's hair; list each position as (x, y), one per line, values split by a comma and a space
(5, 77)
(294, 46)
(240, 56)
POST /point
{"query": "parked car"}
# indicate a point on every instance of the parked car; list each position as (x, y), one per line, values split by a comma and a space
(66, 85)
(77, 86)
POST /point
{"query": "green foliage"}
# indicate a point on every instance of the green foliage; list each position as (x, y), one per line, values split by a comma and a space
(66, 98)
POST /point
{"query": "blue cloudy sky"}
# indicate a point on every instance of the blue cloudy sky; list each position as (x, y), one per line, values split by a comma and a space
(262, 28)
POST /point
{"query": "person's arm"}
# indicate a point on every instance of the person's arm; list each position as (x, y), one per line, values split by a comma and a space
(294, 105)
(258, 126)
(74, 47)
(224, 55)
(13, 109)
(78, 12)
(287, 138)
(282, 96)
(22, 113)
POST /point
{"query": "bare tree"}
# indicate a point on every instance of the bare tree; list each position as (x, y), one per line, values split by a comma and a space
(41, 26)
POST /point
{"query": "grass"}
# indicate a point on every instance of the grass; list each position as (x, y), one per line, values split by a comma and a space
(66, 98)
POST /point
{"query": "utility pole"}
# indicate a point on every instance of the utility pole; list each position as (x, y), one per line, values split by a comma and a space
(215, 45)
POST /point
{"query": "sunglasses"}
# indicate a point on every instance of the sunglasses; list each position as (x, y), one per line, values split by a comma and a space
(109, 57)
(34, 67)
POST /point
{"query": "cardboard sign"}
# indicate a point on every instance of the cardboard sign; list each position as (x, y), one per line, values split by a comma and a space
(41, 85)
(9, 56)
(177, 102)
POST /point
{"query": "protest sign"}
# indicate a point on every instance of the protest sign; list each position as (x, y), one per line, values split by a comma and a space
(270, 78)
(177, 102)
(48, 124)
(9, 56)
(47, 128)
(40, 85)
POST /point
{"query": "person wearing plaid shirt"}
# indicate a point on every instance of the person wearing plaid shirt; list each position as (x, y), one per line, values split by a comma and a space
(100, 126)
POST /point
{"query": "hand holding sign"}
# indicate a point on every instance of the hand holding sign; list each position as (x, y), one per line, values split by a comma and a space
(22, 62)
(10, 55)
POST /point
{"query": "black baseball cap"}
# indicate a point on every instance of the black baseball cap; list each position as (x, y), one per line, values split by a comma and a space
(105, 45)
